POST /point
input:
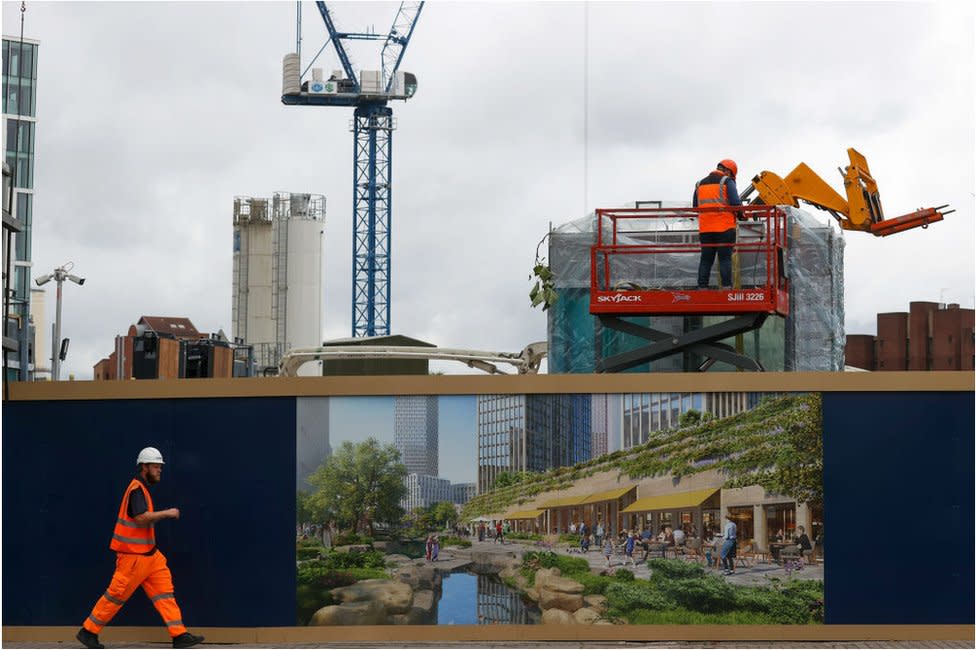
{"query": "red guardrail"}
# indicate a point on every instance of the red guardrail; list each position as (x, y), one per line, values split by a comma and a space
(762, 240)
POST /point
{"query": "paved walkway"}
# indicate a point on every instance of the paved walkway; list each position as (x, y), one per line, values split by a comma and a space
(753, 574)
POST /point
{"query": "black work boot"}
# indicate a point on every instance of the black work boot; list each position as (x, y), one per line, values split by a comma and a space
(88, 639)
(186, 640)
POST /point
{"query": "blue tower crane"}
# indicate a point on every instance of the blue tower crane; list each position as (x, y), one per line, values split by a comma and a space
(372, 129)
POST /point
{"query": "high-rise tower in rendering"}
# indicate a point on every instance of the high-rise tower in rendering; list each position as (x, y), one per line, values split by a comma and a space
(415, 432)
(519, 433)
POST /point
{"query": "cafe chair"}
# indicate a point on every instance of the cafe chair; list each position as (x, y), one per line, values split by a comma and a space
(746, 556)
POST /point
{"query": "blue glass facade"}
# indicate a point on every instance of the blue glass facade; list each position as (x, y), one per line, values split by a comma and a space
(19, 96)
(534, 433)
(19, 117)
(645, 413)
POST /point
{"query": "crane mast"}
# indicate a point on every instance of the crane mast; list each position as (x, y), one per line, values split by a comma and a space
(372, 127)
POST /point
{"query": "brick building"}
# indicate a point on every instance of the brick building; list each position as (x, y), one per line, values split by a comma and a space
(163, 347)
(930, 336)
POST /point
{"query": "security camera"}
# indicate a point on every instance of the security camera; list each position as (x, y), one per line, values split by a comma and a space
(44, 279)
(76, 279)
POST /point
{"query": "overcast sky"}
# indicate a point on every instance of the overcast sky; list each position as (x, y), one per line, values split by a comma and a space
(153, 116)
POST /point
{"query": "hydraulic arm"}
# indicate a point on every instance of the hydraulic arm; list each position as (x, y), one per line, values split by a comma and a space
(861, 210)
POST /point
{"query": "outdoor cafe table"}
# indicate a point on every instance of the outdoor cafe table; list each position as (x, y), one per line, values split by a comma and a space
(776, 547)
(659, 548)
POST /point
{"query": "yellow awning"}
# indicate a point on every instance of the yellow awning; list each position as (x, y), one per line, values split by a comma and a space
(525, 514)
(564, 502)
(671, 501)
(609, 495)
(581, 499)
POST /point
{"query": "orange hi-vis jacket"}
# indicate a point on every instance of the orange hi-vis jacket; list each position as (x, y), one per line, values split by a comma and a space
(711, 195)
(129, 536)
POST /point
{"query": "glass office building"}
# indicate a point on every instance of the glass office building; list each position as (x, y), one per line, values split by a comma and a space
(534, 433)
(19, 122)
(424, 491)
(645, 413)
(415, 433)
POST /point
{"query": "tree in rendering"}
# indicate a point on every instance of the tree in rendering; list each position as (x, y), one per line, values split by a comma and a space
(444, 514)
(359, 485)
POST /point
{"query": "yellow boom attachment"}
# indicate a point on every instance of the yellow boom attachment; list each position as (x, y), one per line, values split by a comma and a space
(860, 211)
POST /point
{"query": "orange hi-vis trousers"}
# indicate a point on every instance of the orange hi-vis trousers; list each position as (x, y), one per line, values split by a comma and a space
(131, 572)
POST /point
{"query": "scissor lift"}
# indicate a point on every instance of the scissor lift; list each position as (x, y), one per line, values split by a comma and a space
(629, 239)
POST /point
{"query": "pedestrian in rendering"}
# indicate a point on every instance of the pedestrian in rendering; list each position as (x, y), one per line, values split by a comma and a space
(645, 542)
(713, 547)
(139, 563)
(435, 548)
(803, 544)
(716, 228)
(608, 550)
(429, 547)
(728, 547)
(499, 535)
(599, 534)
(629, 548)
(679, 537)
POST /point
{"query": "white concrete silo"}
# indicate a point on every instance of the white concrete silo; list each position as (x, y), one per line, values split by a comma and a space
(277, 275)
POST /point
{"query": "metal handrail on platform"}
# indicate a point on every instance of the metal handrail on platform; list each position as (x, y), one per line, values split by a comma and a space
(610, 294)
(621, 249)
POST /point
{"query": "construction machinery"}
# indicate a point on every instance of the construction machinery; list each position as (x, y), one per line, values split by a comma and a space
(633, 244)
(643, 262)
(372, 128)
(860, 211)
(525, 362)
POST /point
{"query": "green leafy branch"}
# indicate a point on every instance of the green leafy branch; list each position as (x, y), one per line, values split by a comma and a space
(543, 292)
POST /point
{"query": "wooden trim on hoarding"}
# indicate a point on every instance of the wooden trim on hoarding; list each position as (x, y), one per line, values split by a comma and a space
(494, 633)
(489, 384)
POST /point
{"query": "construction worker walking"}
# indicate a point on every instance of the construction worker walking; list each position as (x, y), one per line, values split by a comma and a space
(716, 229)
(139, 562)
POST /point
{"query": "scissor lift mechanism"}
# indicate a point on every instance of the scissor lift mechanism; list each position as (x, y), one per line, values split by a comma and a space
(749, 305)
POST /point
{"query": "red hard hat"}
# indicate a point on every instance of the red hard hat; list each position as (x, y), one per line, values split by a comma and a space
(730, 165)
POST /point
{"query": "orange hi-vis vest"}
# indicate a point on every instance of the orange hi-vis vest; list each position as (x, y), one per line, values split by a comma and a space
(129, 536)
(710, 195)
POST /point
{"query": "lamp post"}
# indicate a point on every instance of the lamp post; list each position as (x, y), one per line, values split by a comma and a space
(58, 351)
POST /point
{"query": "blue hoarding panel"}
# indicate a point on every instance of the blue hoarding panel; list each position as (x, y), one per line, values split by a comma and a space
(898, 492)
(230, 469)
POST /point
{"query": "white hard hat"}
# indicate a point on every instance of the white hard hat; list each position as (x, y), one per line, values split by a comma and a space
(150, 455)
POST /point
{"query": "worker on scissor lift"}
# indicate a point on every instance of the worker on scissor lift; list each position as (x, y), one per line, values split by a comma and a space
(716, 230)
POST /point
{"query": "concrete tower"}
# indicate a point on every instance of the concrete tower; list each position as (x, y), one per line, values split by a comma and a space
(277, 275)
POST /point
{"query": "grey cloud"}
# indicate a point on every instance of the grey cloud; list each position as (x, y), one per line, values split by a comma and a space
(152, 116)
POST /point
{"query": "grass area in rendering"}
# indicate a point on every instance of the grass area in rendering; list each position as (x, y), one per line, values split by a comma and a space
(680, 593)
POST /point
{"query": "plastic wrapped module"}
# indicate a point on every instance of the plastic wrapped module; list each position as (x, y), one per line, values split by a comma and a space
(810, 338)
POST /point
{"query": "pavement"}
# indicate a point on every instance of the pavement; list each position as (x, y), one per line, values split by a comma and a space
(746, 574)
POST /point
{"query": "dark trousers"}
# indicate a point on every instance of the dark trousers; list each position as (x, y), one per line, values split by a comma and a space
(724, 251)
(728, 555)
